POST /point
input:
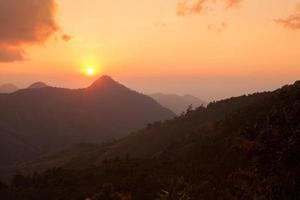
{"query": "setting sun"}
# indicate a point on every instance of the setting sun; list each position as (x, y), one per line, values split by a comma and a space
(90, 71)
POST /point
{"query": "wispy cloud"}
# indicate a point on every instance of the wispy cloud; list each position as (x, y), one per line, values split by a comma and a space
(185, 7)
(292, 21)
(66, 37)
(217, 27)
(25, 23)
(232, 3)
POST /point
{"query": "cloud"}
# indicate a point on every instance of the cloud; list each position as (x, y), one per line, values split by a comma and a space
(292, 21)
(9, 54)
(184, 7)
(217, 27)
(66, 37)
(24, 23)
(232, 3)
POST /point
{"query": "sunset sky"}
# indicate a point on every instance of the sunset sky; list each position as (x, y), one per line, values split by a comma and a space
(209, 48)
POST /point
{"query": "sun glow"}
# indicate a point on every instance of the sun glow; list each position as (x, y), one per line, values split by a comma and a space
(90, 70)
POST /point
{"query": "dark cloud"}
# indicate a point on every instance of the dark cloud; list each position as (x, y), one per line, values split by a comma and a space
(292, 21)
(186, 7)
(24, 23)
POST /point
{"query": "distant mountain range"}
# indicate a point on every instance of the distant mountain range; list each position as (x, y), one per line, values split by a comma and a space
(245, 147)
(38, 85)
(178, 104)
(44, 119)
(8, 88)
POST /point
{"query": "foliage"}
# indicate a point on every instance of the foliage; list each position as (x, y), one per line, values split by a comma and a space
(245, 148)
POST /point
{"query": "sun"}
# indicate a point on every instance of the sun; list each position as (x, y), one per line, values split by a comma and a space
(90, 70)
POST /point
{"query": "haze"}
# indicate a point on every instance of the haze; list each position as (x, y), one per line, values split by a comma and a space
(211, 50)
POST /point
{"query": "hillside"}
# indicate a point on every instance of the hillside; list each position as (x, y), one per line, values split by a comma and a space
(178, 104)
(8, 88)
(37, 85)
(153, 140)
(246, 147)
(43, 120)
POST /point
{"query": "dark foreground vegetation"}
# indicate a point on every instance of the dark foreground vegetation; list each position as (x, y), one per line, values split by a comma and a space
(242, 149)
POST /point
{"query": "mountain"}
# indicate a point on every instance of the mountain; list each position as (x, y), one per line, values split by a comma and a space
(34, 122)
(154, 139)
(245, 147)
(178, 104)
(8, 88)
(38, 85)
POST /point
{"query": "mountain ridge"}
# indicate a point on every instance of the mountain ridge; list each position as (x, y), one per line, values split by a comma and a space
(38, 85)
(8, 88)
(50, 118)
(243, 147)
(178, 103)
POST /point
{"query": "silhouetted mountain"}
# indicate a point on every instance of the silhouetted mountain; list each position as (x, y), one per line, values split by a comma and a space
(246, 147)
(35, 122)
(8, 88)
(37, 85)
(178, 104)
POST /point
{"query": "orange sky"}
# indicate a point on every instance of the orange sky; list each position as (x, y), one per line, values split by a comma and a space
(216, 53)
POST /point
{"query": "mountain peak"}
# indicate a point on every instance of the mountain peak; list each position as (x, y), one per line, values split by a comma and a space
(38, 85)
(105, 78)
(8, 88)
(103, 81)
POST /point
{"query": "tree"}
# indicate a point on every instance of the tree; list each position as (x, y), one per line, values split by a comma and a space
(106, 192)
(2, 186)
(177, 189)
(19, 180)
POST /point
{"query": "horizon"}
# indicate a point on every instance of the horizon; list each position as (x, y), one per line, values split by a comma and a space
(95, 78)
